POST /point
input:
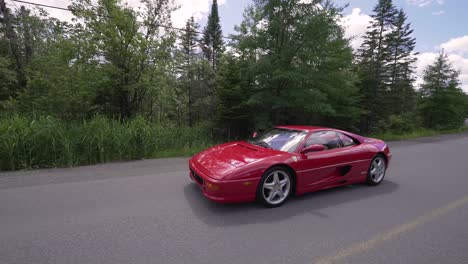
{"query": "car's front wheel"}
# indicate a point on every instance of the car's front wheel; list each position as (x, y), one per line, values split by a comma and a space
(275, 187)
(377, 170)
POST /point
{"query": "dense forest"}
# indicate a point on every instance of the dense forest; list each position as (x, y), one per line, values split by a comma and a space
(119, 82)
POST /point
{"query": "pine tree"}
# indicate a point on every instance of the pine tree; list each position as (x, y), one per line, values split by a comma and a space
(212, 42)
(233, 94)
(189, 44)
(401, 45)
(374, 55)
(442, 105)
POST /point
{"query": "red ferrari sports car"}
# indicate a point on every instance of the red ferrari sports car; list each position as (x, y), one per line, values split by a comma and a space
(288, 160)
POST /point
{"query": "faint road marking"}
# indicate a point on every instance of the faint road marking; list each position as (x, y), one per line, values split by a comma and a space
(390, 234)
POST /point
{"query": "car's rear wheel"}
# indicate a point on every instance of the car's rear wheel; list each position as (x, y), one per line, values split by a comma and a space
(377, 169)
(275, 187)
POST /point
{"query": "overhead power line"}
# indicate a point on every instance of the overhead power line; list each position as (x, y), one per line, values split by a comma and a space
(71, 10)
(42, 5)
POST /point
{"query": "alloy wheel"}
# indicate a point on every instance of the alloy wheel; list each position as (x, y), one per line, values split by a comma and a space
(276, 187)
(377, 170)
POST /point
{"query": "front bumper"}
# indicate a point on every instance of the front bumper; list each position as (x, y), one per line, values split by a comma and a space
(233, 191)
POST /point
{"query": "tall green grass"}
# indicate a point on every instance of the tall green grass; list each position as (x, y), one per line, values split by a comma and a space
(38, 142)
(41, 142)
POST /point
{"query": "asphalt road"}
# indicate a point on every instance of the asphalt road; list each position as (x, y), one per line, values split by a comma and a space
(149, 212)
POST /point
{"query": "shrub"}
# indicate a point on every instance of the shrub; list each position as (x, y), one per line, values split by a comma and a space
(399, 124)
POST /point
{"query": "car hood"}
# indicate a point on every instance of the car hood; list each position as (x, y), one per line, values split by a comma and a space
(223, 159)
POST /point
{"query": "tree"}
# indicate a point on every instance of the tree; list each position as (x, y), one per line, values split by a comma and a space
(212, 42)
(28, 35)
(10, 34)
(233, 110)
(401, 45)
(189, 45)
(300, 62)
(442, 105)
(130, 52)
(373, 66)
(7, 79)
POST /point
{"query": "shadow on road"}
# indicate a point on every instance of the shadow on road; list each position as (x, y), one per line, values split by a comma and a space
(215, 214)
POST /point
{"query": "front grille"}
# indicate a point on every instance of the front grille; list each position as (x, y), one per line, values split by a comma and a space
(197, 178)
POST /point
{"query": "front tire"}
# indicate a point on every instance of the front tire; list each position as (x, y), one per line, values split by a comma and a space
(377, 169)
(274, 187)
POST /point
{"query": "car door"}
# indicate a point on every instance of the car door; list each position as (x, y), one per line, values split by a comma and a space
(357, 156)
(330, 167)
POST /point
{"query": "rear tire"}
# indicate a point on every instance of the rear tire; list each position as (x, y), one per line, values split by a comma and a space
(377, 170)
(275, 187)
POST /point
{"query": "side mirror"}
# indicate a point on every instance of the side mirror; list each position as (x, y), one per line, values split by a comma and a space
(254, 134)
(313, 148)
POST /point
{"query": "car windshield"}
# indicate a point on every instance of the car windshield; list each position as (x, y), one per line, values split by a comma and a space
(280, 139)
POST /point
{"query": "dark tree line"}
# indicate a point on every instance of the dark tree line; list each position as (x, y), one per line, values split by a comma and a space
(287, 63)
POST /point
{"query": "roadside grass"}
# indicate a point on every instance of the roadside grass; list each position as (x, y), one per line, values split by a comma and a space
(418, 134)
(45, 142)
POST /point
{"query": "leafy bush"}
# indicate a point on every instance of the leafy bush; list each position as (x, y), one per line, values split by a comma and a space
(399, 124)
(35, 142)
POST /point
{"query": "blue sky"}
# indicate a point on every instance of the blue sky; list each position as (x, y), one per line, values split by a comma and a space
(433, 22)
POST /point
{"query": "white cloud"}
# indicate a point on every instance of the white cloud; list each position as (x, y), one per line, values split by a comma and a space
(197, 8)
(456, 45)
(423, 3)
(424, 60)
(355, 25)
(438, 13)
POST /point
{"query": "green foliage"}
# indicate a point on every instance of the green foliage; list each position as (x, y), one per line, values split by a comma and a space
(465, 113)
(234, 112)
(196, 80)
(400, 124)
(118, 83)
(385, 70)
(125, 50)
(212, 42)
(8, 79)
(300, 63)
(36, 142)
(443, 101)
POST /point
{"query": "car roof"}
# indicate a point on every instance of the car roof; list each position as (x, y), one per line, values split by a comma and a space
(315, 128)
(304, 128)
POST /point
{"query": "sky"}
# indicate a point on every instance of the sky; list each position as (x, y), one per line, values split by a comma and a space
(438, 24)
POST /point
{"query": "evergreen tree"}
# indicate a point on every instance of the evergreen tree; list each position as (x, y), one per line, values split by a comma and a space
(373, 69)
(212, 42)
(401, 45)
(196, 79)
(442, 105)
(233, 93)
(189, 43)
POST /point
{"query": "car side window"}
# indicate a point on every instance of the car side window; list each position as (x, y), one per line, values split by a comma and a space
(345, 140)
(328, 139)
